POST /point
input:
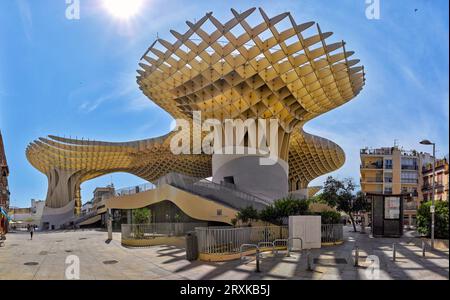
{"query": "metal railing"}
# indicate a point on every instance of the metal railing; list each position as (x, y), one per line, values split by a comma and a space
(379, 151)
(410, 167)
(410, 206)
(372, 179)
(332, 233)
(134, 189)
(78, 219)
(223, 193)
(372, 166)
(224, 240)
(153, 230)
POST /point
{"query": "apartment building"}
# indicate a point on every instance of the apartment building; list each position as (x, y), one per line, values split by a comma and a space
(392, 170)
(441, 181)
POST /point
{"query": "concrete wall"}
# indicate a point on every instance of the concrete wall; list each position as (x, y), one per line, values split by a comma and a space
(265, 181)
(57, 216)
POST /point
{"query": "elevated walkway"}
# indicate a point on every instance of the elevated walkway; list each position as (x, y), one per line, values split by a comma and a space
(195, 206)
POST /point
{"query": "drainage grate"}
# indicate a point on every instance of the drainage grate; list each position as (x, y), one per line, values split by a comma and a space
(43, 253)
(68, 251)
(14, 245)
(82, 239)
(110, 262)
(330, 261)
(58, 241)
(31, 263)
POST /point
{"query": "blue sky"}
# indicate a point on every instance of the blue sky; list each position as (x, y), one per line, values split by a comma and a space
(77, 77)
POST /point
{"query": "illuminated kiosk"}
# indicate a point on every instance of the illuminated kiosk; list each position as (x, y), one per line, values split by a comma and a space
(273, 69)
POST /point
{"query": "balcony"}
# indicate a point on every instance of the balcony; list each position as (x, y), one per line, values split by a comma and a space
(409, 181)
(439, 187)
(410, 206)
(409, 167)
(376, 165)
(382, 151)
(372, 179)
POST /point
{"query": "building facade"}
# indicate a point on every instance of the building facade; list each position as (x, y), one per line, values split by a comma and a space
(392, 170)
(4, 173)
(441, 181)
(22, 216)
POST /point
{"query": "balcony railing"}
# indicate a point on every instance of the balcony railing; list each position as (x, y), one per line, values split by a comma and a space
(372, 179)
(372, 166)
(410, 206)
(409, 167)
(382, 151)
(439, 187)
(412, 181)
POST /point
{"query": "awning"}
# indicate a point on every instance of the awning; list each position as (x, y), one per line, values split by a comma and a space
(3, 212)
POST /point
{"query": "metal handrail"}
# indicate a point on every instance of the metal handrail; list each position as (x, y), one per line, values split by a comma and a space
(288, 244)
(246, 246)
(271, 244)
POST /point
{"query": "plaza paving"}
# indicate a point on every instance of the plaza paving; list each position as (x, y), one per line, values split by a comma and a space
(101, 259)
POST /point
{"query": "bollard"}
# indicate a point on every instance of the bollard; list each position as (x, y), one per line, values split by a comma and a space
(356, 256)
(423, 249)
(393, 252)
(257, 260)
(308, 260)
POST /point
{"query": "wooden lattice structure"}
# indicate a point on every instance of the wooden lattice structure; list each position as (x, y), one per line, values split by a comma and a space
(273, 69)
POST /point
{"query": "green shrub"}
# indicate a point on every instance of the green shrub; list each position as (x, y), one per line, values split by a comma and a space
(141, 215)
(247, 214)
(283, 208)
(441, 218)
(330, 217)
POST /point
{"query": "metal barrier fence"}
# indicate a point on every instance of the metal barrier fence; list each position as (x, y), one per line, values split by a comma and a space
(223, 240)
(332, 233)
(153, 230)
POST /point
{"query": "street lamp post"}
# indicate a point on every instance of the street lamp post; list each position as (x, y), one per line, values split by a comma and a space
(427, 142)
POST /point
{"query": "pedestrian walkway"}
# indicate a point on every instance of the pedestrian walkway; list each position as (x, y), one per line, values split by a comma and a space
(45, 258)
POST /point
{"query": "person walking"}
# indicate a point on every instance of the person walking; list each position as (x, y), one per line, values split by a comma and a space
(31, 232)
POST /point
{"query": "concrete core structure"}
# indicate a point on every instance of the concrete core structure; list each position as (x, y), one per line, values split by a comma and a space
(244, 172)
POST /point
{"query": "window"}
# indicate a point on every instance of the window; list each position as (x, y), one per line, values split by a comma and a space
(219, 212)
(392, 208)
(409, 177)
(409, 163)
(228, 179)
(388, 163)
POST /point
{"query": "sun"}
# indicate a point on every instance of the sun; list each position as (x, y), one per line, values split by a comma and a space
(123, 9)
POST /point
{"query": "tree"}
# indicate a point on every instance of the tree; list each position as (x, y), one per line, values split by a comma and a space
(282, 209)
(441, 219)
(247, 214)
(340, 194)
(141, 215)
(330, 217)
